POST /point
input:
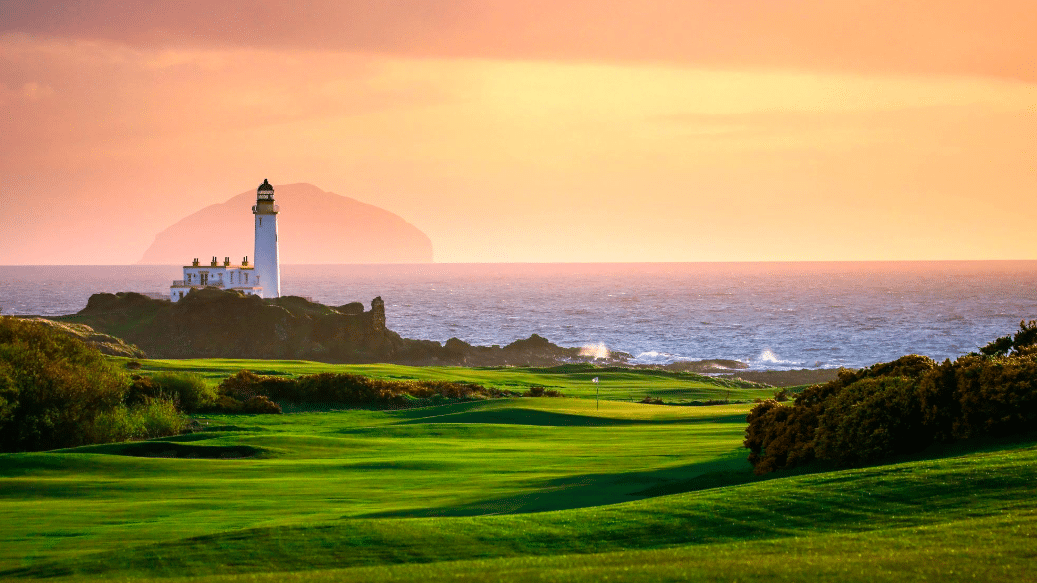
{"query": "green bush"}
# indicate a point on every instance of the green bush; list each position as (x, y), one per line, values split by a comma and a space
(141, 389)
(996, 395)
(1003, 346)
(52, 387)
(901, 407)
(147, 420)
(779, 436)
(262, 405)
(870, 420)
(188, 390)
(343, 389)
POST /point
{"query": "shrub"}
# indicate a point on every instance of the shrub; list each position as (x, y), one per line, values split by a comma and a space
(244, 385)
(141, 390)
(1003, 346)
(448, 389)
(535, 391)
(871, 419)
(780, 436)
(345, 389)
(995, 396)
(152, 418)
(262, 405)
(901, 407)
(52, 387)
(188, 390)
(225, 404)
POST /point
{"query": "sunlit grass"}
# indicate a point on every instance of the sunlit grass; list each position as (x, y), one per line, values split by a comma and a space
(572, 380)
(514, 489)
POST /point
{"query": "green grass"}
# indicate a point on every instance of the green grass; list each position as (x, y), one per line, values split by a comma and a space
(509, 490)
(572, 380)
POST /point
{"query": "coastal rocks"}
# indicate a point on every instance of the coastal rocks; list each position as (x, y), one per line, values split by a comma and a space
(215, 323)
(533, 351)
(715, 365)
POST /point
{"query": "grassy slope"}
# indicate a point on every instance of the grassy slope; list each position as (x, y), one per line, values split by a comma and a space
(524, 488)
(324, 466)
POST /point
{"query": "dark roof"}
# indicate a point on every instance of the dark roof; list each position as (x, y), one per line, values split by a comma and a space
(265, 187)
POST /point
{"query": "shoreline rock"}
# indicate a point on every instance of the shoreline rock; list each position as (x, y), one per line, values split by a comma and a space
(215, 323)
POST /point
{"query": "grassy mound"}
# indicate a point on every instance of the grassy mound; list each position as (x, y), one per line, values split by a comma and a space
(172, 449)
(966, 493)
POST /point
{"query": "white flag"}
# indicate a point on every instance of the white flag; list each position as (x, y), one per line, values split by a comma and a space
(594, 380)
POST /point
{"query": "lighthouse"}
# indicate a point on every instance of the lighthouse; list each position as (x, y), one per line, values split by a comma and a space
(266, 259)
(262, 278)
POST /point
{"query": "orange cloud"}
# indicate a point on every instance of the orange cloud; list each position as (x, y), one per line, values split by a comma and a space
(968, 37)
(655, 132)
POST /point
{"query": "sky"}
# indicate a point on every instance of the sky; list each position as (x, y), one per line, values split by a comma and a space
(532, 130)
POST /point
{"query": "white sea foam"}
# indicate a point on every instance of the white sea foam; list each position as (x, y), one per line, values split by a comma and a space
(598, 350)
(769, 359)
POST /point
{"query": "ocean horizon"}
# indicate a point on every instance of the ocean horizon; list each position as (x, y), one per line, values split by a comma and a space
(771, 315)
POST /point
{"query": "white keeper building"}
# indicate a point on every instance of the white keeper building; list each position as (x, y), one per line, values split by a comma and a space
(263, 279)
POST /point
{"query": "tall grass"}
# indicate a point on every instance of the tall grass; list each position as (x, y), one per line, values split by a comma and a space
(157, 417)
(189, 390)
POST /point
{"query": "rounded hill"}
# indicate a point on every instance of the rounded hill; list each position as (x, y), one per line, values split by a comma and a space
(314, 226)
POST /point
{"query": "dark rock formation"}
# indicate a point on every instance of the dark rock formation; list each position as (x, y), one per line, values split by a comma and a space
(706, 366)
(215, 323)
(313, 227)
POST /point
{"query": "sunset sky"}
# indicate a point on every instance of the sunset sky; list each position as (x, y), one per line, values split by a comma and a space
(532, 130)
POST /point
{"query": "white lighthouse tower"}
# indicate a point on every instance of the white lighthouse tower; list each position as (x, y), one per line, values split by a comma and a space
(266, 259)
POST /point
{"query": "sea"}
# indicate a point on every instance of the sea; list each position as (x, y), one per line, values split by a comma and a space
(772, 316)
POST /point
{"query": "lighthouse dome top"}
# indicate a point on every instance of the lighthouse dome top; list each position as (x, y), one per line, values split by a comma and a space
(265, 187)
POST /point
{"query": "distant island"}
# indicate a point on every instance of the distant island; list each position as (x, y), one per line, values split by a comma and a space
(317, 227)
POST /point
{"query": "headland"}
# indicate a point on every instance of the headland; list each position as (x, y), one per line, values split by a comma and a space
(216, 323)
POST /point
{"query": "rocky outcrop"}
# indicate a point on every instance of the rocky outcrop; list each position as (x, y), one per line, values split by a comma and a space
(215, 323)
(533, 351)
(105, 343)
(715, 365)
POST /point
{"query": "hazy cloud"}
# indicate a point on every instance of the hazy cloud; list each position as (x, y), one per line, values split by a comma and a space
(915, 36)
